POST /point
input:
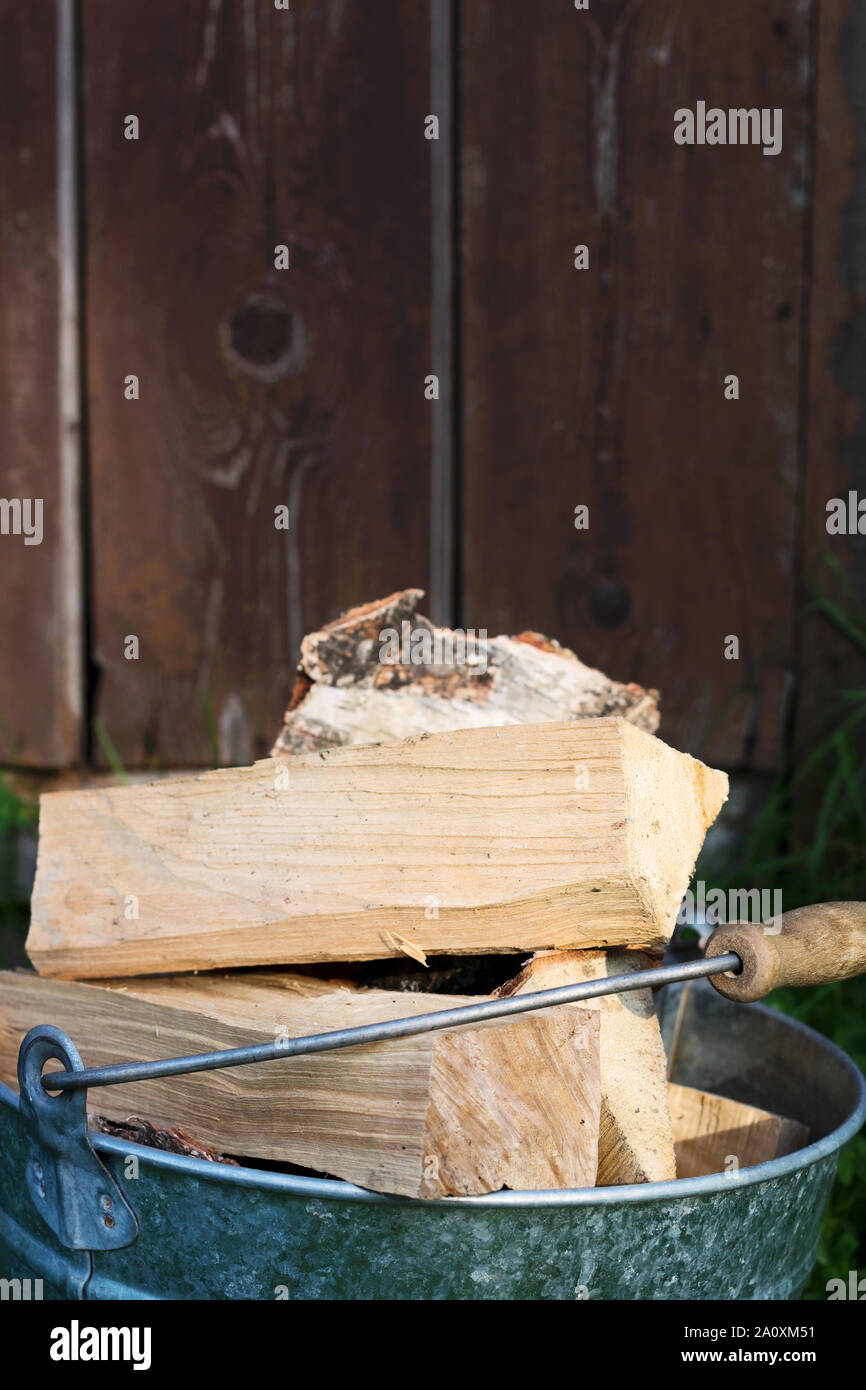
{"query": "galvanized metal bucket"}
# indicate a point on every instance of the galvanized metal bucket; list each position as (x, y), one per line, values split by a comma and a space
(211, 1231)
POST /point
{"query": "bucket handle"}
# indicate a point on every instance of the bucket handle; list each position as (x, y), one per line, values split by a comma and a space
(818, 945)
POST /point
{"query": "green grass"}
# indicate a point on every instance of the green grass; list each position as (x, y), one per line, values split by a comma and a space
(17, 818)
(809, 840)
(109, 752)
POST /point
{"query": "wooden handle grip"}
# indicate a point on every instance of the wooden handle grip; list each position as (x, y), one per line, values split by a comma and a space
(809, 946)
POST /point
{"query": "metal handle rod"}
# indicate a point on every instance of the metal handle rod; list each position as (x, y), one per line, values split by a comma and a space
(120, 1072)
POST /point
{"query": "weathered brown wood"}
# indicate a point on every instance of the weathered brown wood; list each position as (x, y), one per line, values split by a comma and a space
(828, 661)
(717, 1135)
(513, 1103)
(520, 838)
(259, 387)
(383, 671)
(636, 1142)
(40, 614)
(612, 378)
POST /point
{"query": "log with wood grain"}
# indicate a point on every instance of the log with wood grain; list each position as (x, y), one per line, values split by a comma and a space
(492, 839)
(636, 1141)
(713, 1134)
(513, 1103)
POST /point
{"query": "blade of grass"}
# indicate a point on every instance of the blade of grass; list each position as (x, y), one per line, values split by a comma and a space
(111, 754)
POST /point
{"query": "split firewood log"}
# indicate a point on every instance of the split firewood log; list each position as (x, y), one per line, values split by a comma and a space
(493, 839)
(383, 671)
(512, 1103)
(713, 1134)
(636, 1140)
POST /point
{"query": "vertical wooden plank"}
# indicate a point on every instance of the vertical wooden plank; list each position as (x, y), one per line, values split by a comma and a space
(40, 615)
(444, 523)
(605, 387)
(260, 387)
(836, 438)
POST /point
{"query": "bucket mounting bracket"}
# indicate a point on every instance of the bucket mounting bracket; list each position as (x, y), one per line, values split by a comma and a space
(70, 1186)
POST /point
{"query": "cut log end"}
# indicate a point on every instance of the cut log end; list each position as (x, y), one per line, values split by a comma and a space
(636, 1142)
(539, 1130)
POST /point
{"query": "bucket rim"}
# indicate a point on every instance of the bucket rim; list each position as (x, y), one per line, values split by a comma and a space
(335, 1189)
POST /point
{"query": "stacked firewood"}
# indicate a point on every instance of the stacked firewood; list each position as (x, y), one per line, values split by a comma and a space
(435, 811)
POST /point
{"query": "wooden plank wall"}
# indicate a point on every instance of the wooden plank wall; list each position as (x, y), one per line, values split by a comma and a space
(260, 387)
(828, 662)
(605, 387)
(305, 387)
(41, 692)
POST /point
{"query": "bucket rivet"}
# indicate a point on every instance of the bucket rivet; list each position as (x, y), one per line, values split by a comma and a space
(105, 1201)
